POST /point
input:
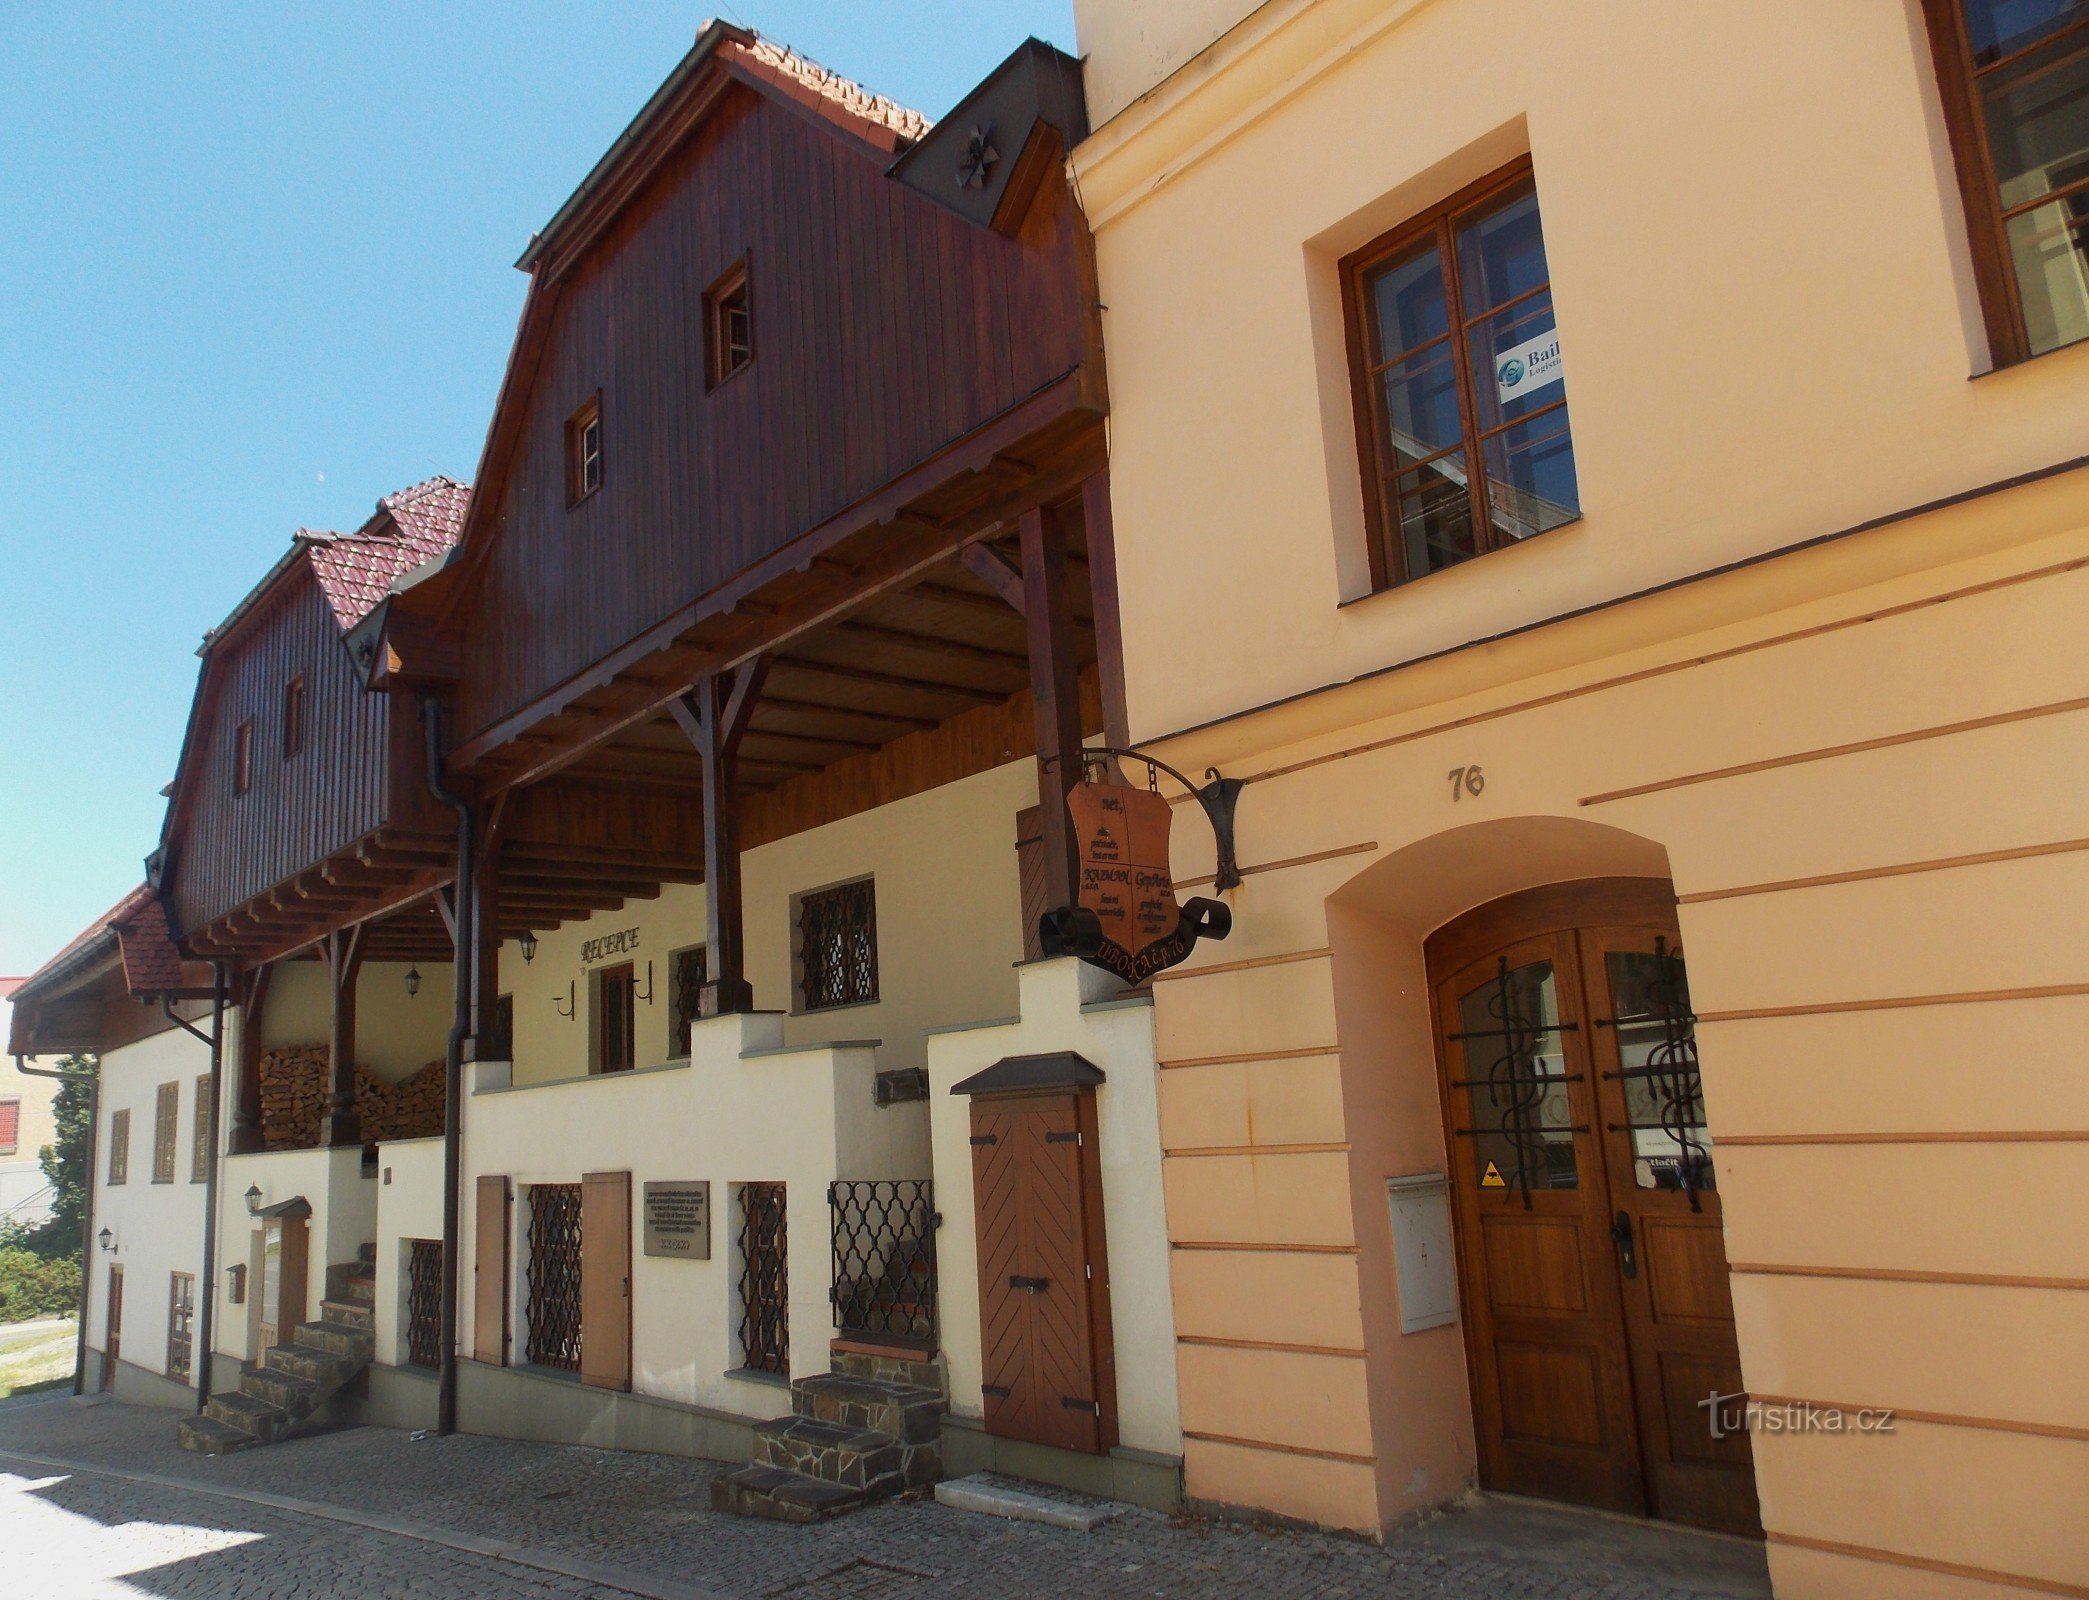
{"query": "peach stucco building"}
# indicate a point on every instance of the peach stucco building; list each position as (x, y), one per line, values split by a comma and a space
(1769, 667)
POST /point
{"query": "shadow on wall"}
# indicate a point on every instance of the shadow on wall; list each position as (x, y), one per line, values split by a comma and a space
(1420, 1395)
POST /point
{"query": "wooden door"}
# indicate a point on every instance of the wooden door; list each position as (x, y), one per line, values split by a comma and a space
(283, 1248)
(1048, 1370)
(490, 1296)
(616, 991)
(1665, 1211)
(112, 1339)
(605, 1279)
(1590, 1253)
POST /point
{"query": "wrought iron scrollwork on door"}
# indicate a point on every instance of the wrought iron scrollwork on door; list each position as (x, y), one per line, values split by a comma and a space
(1672, 1101)
(1516, 1085)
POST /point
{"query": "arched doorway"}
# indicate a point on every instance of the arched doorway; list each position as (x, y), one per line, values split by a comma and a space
(1598, 1319)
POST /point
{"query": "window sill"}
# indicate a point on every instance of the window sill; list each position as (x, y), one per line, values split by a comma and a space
(830, 1011)
(1464, 566)
(768, 1380)
(1997, 369)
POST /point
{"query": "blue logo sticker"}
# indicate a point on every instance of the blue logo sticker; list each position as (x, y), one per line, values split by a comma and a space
(1510, 372)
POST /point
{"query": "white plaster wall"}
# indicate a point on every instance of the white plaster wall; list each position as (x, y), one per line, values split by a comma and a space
(157, 1227)
(396, 1034)
(344, 1216)
(744, 1108)
(949, 910)
(409, 1207)
(1064, 1008)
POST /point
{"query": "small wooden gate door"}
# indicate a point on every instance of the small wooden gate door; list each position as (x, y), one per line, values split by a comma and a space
(283, 1245)
(1598, 1316)
(1048, 1364)
(490, 1297)
(112, 1340)
(605, 1279)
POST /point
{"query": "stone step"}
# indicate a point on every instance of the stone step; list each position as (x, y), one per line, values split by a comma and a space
(298, 1396)
(342, 1338)
(855, 1458)
(347, 1313)
(911, 1414)
(892, 1366)
(261, 1422)
(362, 1289)
(206, 1436)
(326, 1368)
(782, 1496)
(367, 1253)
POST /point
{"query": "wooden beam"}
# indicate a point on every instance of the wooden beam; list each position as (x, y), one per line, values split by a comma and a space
(894, 719)
(1055, 695)
(992, 568)
(252, 992)
(715, 718)
(1109, 627)
(933, 644)
(891, 680)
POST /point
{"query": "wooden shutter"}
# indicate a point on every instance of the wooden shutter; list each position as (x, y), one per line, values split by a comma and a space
(1030, 872)
(120, 1145)
(605, 1279)
(165, 1111)
(490, 1273)
(206, 1114)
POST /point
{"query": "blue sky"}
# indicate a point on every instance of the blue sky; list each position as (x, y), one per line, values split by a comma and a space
(256, 269)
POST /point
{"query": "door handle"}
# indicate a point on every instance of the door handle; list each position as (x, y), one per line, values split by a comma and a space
(1034, 1285)
(1621, 1236)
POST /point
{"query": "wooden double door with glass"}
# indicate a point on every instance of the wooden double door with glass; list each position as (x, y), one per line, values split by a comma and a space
(1598, 1317)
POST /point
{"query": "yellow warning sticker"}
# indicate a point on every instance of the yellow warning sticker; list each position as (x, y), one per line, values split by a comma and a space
(1492, 1178)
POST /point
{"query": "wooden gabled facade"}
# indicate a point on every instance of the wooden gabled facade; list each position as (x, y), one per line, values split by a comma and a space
(870, 558)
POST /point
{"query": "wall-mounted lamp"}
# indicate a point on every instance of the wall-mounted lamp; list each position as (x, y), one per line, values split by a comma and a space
(529, 948)
(108, 1240)
(253, 1199)
(413, 982)
(568, 1008)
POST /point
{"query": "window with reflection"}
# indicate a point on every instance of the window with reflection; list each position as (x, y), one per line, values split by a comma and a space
(1515, 1073)
(1461, 395)
(2014, 80)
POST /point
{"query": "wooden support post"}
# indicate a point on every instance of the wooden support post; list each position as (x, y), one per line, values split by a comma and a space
(715, 717)
(342, 950)
(1109, 625)
(248, 1135)
(485, 1041)
(1048, 618)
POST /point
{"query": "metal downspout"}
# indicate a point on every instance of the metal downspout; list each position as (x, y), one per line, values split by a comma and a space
(93, 1080)
(464, 946)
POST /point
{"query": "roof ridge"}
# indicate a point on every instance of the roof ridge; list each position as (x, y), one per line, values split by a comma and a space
(843, 90)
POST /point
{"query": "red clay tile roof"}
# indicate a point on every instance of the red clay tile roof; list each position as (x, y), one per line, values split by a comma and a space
(151, 964)
(355, 570)
(828, 91)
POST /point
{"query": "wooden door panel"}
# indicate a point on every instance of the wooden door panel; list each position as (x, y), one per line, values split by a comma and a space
(112, 1338)
(1035, 1272)
(1551, 1394)
(1676, 1295)
(490, 1294)
(1534, 1264)
(605, 1279)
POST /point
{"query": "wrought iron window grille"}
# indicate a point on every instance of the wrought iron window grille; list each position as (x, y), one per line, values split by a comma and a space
(838, 945)
(1515, 1092)
(1671, 1073)
(424, 1304)
(765, 1324)
(554, 1276)
(884, 1234)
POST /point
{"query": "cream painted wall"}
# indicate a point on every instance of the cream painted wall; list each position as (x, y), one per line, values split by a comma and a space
(1130, 48)
(157, 1227)
(344, 1218)
(949, 931)
(744, 1107)
(1067, 1005)
(395, 1034)
(409, 1207)
(1759, 266)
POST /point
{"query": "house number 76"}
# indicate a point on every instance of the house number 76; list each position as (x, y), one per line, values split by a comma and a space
(1466, 781)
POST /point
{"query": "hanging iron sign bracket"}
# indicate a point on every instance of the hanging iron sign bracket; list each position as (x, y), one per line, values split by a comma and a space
(1218, 796)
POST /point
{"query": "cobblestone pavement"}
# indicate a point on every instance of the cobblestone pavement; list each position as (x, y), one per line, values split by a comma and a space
(500, 1517)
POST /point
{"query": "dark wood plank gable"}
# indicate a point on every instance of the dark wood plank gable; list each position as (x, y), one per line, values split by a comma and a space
(885, 329)
(226, 848)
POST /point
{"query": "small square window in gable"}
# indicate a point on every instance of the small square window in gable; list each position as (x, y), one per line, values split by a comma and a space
(728, 327)
(584, 451)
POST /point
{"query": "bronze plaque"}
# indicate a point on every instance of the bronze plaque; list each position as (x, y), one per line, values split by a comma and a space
(678, 1219)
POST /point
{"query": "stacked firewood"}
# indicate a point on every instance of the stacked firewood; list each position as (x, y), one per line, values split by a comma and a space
(296, 1081)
